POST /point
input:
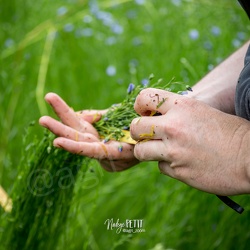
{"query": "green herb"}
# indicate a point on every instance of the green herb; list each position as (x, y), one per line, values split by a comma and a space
(119, 116)
(41, 196)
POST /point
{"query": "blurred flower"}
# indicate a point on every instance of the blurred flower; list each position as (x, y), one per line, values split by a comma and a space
(236, 43)
(148, 27)
(9, 42)
(176, 2)
(87, 19)
(120, 148)
(139, 2)
(131, 14)
(117, 28)
(215, 30)
(184, 92)
(136, 41)
(194, 34)
(120, 81)
(210, 67)
(111, 70)
(105, 17)
(68, 27)
(218, 60)
(131, 87)
(27, 56)
(111, 40)
(208, 45)
(87, 32)
(145, 82)
(62, 11)
(133, 63)
(241, 35)
(106, 140)
(93, 7)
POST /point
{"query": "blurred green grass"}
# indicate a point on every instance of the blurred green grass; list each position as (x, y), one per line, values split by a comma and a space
(89, 55)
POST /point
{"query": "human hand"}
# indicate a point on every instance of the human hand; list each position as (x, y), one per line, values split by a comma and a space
(193, 142)
(77, 135)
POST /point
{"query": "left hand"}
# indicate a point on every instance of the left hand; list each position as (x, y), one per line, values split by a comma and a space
(192, 142)
(77, 135)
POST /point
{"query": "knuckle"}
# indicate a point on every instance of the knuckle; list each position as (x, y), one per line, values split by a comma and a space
(172, 127)
(172, 154)
(138, 153)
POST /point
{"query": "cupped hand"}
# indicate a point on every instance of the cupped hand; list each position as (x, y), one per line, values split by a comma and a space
(193, 142)
(77, 135)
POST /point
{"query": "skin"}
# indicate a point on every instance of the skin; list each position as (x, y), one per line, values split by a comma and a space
(192, 142)
(196, 140)
(77, 135)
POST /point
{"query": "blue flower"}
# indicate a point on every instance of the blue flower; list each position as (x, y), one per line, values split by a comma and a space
(87, 32)
(106, 140)
(194, 34)
(120, 148)
(241, 35)
(62, 11)
(183, 92)
(117, 28)
(215, 30)
(68, 27)
(111, 70)
(139, 2)
(176, 2)
(131, 87)
(111, 40)
(9, 43)
(144, 82)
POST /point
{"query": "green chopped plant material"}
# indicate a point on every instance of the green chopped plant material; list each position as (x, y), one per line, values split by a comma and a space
(41, 196)
(119, 116)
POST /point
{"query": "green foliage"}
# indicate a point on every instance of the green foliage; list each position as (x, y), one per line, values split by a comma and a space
(89, 55)
(41, 195)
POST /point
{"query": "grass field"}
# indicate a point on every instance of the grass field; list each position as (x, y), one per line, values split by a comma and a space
(88, 52)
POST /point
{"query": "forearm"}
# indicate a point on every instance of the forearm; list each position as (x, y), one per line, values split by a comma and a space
(217, 88)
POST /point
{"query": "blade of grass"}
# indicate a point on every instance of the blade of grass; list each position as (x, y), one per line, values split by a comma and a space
(43, 70)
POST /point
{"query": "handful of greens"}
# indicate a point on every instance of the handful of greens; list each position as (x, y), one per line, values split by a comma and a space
(116, 121)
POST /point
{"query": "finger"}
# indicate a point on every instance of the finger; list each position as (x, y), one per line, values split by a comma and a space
(91, 116)
(62, 130)
(120, 165)
(63, 111)
(147, 127)
(150, 100)
(165, 168)
(153, 150)
(67, 115)
(97, 150)
(180, 173)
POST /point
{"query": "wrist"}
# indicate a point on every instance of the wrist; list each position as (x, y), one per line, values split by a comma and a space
(245, 156)
(215, 98)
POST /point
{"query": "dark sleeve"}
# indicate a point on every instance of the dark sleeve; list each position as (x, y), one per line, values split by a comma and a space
(242, 94)
(246, 6)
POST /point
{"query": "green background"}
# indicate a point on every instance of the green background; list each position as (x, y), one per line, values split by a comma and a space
(68, 47)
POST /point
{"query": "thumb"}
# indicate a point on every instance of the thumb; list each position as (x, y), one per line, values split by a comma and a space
(155, 100)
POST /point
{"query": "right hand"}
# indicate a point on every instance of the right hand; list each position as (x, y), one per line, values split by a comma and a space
(77, 135)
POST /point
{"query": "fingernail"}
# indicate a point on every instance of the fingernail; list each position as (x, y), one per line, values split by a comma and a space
(136, 120)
